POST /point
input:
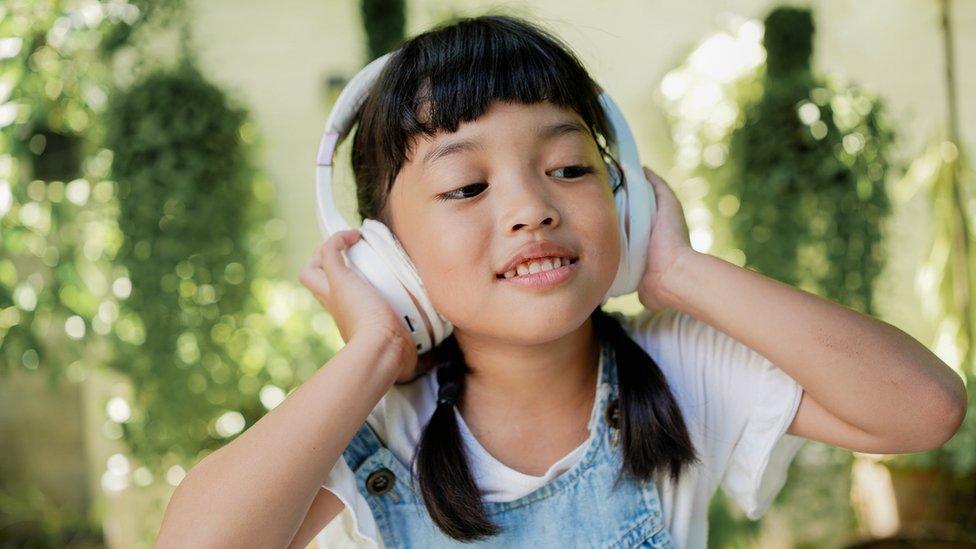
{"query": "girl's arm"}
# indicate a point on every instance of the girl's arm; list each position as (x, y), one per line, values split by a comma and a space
(868, 386)
(257, 490)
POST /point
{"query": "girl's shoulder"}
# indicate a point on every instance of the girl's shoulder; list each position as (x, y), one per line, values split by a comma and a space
(670, 337)
(720, 384)
(688, 349)
(648, 324)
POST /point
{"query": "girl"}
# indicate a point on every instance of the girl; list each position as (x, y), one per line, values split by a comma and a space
(542, 419)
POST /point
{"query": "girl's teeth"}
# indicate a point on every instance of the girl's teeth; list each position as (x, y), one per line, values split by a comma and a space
(536, 266)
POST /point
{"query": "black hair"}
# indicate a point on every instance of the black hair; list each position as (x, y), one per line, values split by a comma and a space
(436, 80)
(452, 74)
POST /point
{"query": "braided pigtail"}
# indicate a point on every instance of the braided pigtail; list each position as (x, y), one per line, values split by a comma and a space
(652, 430)
(450, 493)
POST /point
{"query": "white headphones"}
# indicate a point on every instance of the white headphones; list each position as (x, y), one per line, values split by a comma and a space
(379, 258)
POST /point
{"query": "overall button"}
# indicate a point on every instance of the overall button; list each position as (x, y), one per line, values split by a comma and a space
(613, 414)
(380, 481)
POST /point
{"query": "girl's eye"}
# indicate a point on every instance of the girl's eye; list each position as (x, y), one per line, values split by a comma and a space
(474, 189)
(458, 194)
(576, 171)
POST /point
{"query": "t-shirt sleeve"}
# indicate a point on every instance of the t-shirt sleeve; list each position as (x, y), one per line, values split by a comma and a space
(397, 420)
(737, 404)
(341, 481)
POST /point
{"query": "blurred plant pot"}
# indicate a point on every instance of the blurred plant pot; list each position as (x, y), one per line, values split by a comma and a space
(928, 498)
(922, 496)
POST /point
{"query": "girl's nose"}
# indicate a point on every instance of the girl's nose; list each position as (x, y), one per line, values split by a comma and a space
(547, 221)
(528, 205)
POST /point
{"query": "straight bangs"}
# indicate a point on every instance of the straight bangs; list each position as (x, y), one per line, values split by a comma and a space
(452, 74)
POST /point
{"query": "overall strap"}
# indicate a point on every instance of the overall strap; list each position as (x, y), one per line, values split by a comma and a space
(364, 444)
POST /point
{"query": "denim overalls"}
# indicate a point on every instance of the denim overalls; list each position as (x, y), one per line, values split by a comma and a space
(575, 509)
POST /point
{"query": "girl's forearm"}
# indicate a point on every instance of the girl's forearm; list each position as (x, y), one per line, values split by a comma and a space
(864, 371)
(256, 490)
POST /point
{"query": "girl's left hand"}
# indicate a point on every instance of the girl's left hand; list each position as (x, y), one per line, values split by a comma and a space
(668, 243)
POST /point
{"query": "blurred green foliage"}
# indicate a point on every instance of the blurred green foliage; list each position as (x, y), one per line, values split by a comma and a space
(57, 225)
(158, 12)
(209, 341)
(788, 41)
(385, 23)
(791, 167)
(945, 176)
(138, 235)
(808, 164)
(32, 519)
(727, 525)
(55, 232)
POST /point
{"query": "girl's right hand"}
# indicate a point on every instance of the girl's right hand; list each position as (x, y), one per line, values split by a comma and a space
(357, 307)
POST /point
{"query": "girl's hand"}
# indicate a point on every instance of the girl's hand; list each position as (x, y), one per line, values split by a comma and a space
(359, 309)
(669, 242)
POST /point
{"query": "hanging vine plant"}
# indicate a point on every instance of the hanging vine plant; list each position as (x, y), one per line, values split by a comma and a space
(52, 191)
(808, 164)
(384, 22)
(208, 342)
(56, 218)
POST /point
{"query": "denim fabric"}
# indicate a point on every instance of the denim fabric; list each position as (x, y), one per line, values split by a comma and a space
(579, 508)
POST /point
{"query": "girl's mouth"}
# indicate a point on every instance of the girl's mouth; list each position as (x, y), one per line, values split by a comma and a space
(543, 279)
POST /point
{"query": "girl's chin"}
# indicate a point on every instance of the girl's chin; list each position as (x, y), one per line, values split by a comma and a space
(528, 332)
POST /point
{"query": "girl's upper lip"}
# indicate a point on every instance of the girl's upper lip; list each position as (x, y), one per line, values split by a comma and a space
(535, 250)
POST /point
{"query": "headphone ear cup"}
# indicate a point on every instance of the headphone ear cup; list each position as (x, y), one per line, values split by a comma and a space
(378, 257)
(634, 200)
(366, 258)
(398, 263)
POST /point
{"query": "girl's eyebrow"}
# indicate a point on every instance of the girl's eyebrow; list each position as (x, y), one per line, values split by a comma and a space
(545, 131)
(451, 147)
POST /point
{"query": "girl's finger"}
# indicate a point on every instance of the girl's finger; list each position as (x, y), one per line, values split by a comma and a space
(313, 277)
(332, 260)
(661, 187)
(315, 261)
(651, 176)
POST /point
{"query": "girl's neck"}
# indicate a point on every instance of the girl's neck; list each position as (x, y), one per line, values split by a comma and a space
(539, 385)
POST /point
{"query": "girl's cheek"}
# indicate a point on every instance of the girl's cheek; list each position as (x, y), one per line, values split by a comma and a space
(454, 266)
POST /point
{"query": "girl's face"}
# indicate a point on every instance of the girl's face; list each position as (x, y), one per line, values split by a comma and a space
(527, 173)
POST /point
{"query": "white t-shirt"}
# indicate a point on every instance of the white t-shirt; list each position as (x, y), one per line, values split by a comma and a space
(736, 404)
